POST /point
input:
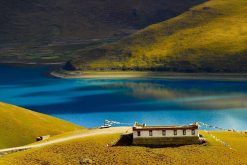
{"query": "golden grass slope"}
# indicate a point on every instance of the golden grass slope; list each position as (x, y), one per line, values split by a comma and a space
(96, 149)
(211, 37)
(19, 126)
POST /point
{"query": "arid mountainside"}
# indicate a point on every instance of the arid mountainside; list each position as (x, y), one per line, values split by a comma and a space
(52, 31)
(210, 37)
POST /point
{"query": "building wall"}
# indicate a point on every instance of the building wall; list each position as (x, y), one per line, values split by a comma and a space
(169, 133)
(166, 141)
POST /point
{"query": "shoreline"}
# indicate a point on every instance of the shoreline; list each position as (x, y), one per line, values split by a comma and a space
(133, 74)
(148, 74)
(31, 63)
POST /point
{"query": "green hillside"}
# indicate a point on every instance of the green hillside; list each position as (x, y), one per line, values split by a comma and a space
(211, 37)
(20, 126)
(53, 31)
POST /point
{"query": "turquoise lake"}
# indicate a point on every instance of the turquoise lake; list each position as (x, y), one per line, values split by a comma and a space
(88, 102)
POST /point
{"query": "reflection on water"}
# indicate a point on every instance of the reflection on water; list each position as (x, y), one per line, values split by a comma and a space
(154, 101)
(189, 94)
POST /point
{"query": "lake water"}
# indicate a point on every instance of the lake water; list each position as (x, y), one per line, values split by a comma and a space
(88, 102)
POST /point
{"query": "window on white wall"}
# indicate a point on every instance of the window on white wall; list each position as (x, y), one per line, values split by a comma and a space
(164, 132)
(150, 133)
(184, 132)
(138, 133)
(193, 132)
(175, 132)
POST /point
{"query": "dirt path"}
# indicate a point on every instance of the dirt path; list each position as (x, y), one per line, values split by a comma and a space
(94, 132)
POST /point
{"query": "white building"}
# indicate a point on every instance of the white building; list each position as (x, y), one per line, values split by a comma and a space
(165, 135)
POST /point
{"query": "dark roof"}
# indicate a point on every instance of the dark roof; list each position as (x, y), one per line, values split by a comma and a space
(165, 127)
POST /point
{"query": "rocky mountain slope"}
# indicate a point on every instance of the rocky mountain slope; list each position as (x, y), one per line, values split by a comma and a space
(51, 31)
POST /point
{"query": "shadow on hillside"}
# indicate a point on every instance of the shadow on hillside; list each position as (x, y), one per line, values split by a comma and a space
(127, 140)
(124, 140)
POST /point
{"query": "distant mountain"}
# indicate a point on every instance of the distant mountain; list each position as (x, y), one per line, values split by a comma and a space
(19, 126)
(45, 30)
(210, 37)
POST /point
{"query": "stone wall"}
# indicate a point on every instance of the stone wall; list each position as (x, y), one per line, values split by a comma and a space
(165, 141)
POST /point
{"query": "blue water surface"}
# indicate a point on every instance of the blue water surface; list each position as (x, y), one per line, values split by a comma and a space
(88, 102)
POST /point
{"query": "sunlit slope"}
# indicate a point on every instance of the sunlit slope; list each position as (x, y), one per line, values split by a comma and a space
(211, 37)
(20, 126)
(98, 150)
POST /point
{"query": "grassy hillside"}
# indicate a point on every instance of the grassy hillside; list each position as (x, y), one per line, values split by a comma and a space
(41, 30)
(20, 126)
(210, 37)
(96, 149)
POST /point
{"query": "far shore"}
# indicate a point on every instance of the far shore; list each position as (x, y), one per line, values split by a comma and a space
(148, 74)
